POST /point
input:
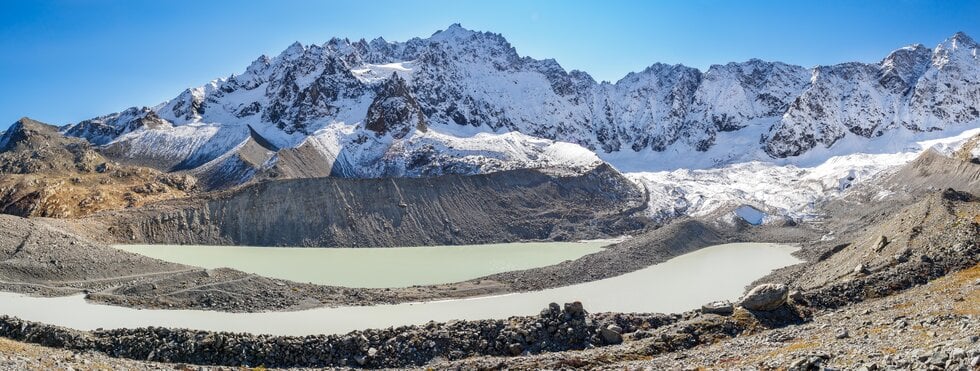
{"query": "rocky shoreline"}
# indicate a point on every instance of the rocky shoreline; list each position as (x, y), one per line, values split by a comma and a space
(556, 329)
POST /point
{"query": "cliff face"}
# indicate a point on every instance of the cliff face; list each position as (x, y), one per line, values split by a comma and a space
(505, 206)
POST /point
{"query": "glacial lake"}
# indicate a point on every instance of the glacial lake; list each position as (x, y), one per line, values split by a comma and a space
(374, 267)
(682, 283)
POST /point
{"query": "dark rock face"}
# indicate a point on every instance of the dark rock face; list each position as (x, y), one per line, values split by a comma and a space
(394, 110)
(295, 108)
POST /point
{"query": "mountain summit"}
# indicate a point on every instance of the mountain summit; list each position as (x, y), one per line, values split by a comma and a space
(488, 108)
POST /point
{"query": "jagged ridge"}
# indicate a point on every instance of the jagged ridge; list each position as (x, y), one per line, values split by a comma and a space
(457, 82)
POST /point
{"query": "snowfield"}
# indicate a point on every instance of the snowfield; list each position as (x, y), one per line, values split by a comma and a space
(788, 190)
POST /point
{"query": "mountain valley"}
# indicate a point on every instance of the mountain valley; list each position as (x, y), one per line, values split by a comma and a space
(868, 172)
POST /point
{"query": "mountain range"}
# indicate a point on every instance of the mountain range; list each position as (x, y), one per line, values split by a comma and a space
(465, 102)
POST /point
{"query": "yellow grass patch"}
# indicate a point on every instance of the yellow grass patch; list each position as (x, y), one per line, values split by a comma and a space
(798, 345)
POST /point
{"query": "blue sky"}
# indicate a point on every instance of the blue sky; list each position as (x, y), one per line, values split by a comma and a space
(64, 61)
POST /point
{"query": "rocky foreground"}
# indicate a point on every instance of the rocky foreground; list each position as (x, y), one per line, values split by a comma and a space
(934, 326)
(914, 309)
(886, 285)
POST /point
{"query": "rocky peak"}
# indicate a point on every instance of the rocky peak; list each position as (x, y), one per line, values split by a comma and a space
(103, 129)
(961, 39)
(294, 51)
(902, 68)
(732, 95)
(187, 107)
(28, 134)
(455, 31)
(959, 48)
(394, 110)
(31, 146)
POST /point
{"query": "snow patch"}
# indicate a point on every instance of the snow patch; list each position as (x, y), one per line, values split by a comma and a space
(373, 73)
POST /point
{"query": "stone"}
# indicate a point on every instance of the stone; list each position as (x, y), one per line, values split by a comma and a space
(860, 269)
(515, 349)
(766, 297)
(881, 243)
(361, 360)
(797, 296)
(611, 334)
(574, 308)
(938, 358)
(724, 308)
(841, 333)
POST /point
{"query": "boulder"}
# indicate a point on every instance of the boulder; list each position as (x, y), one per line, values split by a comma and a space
(765, 297)
(611, 334)
(797, 297)
(880, 243)
(860, 269)
(724, 308)
(575, 308)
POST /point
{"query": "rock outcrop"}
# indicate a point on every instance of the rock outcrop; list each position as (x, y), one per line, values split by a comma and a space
(765, 297)
(394, 110)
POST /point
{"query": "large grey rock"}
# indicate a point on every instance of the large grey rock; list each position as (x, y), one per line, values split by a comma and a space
(611, 334)
(766, 297)
(724, 308)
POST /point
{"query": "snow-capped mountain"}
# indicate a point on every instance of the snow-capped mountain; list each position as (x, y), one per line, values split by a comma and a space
(914, 87)
(462, 101)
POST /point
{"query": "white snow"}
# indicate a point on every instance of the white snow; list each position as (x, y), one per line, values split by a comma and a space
(372, 73)
(480, 152)
(780, 189)
(190, 145)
